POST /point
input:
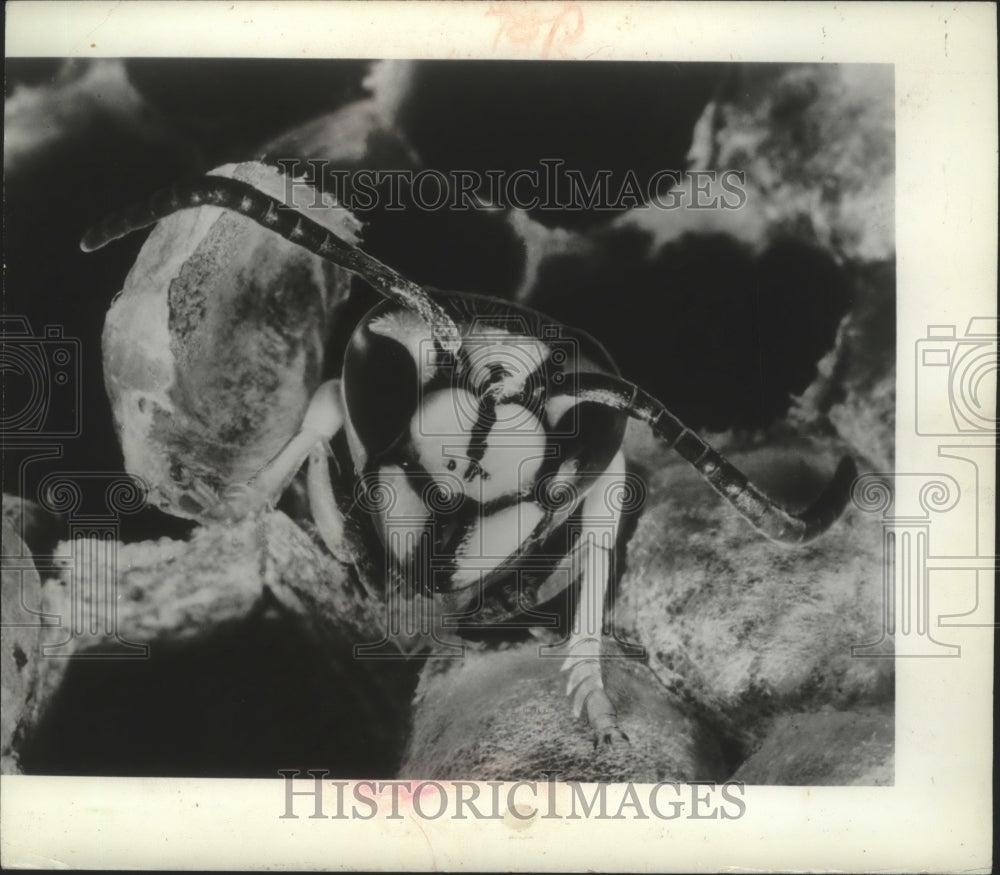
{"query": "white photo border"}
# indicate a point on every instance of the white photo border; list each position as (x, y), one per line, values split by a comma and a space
(938, 814)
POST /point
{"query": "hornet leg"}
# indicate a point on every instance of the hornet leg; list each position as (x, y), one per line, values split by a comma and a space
(323, 419)
(592, 563)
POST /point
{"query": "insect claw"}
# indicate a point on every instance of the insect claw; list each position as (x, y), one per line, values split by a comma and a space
(611, 738)
(603, 718)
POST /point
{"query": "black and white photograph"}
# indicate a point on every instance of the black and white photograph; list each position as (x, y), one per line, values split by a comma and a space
(477, 437)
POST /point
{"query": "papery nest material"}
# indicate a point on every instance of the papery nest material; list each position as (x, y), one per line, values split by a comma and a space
(214, 346)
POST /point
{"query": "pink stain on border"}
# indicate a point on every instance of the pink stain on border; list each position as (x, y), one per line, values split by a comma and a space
(527, 25)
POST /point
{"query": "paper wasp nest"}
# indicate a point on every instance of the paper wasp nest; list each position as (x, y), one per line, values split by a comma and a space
(216, 342)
